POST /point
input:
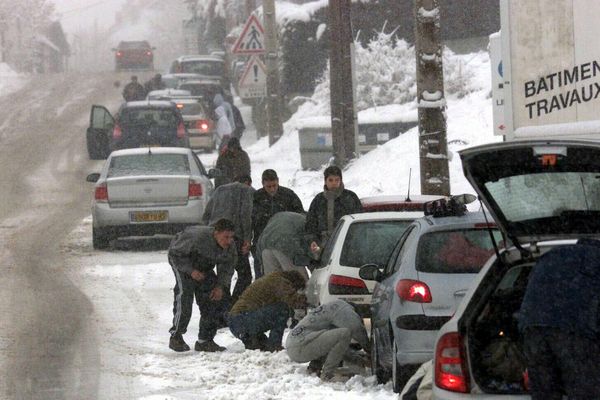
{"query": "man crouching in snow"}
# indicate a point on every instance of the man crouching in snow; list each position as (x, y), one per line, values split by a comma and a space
(323, 337)
(264, 306)
(193, 255)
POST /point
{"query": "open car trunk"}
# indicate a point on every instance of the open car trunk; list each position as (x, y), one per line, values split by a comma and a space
(494, 346)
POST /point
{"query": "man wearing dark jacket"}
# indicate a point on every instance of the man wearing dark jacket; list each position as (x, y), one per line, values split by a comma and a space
(193, 255)
(328, 207)
(560, 323)
(266, 306)
(234, 202)
(268, 201)
(134, 91)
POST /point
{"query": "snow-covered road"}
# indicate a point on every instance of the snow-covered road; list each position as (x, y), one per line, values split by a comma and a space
(131, 293)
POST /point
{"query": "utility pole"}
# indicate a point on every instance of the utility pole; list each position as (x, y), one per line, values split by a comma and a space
(274, 125)
(433, 146)
(250, 7)
(343, 116)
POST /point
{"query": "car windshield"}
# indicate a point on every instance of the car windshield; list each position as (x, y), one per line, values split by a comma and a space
(148, 116)
(535, 196)
(133, 45)
(371, 242)
(201, 89)
(202, 67)
(149, 164)
(190, 108)
(458, 251)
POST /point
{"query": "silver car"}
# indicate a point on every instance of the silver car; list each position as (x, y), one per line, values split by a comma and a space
(149, 190)
(425, 279)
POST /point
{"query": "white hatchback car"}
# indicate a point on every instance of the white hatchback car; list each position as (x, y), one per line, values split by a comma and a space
(146, 191)
(541, 194)
(358, 239)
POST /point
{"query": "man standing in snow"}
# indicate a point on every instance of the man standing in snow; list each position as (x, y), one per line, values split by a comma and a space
(328, 207)
(268, 201)
(134, 91)
(323, 337)
(193, 255)
(233, 201)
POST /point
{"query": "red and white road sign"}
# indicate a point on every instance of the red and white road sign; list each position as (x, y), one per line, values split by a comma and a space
(253, 82)
(252, 39)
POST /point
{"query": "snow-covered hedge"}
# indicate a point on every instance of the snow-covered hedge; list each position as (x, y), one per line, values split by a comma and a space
(386, 74)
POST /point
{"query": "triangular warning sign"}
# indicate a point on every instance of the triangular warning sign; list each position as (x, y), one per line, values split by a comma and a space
(252, 39)
(253, 82)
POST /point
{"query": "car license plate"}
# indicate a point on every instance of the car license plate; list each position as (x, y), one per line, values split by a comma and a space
(148, 216)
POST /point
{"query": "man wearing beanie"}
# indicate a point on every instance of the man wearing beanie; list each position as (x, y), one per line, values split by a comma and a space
(328, 207)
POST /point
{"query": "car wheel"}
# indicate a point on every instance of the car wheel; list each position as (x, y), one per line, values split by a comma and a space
(400, 373)
(380, 373)
(100, 238)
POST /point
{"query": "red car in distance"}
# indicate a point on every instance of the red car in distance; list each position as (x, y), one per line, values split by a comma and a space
(134, 55)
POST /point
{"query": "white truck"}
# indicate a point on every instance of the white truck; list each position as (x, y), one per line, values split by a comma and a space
(550, 69)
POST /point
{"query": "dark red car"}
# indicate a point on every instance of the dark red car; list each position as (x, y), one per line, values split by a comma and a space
(134, 55)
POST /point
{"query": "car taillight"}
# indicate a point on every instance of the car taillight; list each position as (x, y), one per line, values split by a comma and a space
(450, 364)
(202, 125)
(414, 291)
(339, 284)
(117, 132)
(181, 130)
(119, 54)
(101, 193)
(194, 190)
(148, 53)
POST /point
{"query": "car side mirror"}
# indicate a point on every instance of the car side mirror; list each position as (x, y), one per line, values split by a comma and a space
(214, 173)
(370, 272)
(93, 177)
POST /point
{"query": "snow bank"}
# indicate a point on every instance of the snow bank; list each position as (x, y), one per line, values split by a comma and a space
(386, 169)
(10, 81)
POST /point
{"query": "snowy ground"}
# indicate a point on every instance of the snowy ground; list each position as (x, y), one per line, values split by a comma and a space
(132, 291)
(10, 81)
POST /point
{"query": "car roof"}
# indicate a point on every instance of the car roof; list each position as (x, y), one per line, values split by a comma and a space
(200, 82)
(149, 103)
(384, 215)
(199, 57)
(469, 218)
(397, 202)
(169, 92)
(154, 150)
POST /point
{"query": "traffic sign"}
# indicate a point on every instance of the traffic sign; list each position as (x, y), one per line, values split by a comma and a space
(253, 82)
(252, 39)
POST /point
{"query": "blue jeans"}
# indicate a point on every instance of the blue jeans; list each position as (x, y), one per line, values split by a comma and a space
(255, 323)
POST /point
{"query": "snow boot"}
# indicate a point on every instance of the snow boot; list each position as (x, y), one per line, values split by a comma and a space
(209, 346)
(176, 343)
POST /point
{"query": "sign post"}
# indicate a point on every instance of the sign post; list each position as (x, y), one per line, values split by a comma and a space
(253, 82)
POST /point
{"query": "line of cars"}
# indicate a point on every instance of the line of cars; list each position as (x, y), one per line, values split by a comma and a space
(452, 285)
(152, 180)
(406, 265)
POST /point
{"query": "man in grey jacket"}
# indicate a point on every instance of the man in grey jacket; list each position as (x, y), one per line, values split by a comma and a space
(193, 255)
(283, 244)
(233, 201)
(326, 331)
